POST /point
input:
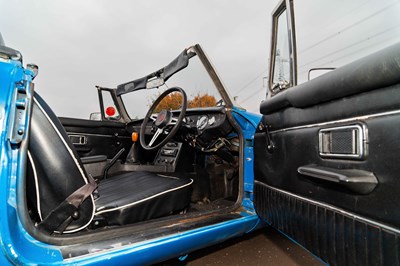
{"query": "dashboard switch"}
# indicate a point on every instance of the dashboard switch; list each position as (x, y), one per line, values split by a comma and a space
(169, 152)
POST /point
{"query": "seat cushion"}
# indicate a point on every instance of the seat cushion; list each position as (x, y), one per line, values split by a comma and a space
(139, 196)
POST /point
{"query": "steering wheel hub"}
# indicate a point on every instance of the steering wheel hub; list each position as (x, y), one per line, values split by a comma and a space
(163, 118)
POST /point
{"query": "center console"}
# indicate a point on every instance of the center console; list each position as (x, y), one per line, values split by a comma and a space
(168, 155)
(165, 161)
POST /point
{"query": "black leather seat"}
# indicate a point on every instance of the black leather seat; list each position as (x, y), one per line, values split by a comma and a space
(56, 172)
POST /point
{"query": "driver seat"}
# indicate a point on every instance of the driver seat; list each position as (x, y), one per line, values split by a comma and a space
(55, 172)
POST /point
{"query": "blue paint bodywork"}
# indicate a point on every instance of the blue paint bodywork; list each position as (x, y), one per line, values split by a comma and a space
(179, 244)
(18, 247)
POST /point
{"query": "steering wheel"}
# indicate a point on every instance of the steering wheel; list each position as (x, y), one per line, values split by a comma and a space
(163, 122)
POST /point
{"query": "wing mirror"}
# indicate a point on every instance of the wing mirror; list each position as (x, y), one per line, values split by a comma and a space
(95, 116)
(34, 68)
(316, 72)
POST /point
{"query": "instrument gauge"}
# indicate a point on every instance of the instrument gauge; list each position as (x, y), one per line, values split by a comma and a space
(202, 122)
(211, 121)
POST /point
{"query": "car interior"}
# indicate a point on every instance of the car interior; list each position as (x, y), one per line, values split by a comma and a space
(85, 175)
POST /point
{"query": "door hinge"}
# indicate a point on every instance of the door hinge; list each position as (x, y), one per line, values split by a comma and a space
(20, 109)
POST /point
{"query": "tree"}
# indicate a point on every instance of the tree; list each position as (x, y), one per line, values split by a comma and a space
(173, 101)
(202, 100)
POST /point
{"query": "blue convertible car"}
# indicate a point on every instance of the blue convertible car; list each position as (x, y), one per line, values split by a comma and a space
(172, 164)
(160, 172)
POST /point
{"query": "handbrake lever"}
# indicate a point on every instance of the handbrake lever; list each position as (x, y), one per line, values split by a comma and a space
(112, 162)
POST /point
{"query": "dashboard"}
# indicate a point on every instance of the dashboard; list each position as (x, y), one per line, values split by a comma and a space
(203, 130)
(204, 124)
(203, 121)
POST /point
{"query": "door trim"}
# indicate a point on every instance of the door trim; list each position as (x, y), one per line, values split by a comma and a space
(351, 119)
(333, 208)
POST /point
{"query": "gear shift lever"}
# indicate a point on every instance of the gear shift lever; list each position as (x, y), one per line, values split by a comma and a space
(133, 152)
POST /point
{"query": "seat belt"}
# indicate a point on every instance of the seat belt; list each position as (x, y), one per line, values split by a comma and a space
(68, 210)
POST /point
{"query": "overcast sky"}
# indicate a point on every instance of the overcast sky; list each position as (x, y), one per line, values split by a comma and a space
(80, 44)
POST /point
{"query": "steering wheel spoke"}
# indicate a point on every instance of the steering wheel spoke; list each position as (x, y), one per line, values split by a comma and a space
(155, 136)
(153, 117)
(172, 121)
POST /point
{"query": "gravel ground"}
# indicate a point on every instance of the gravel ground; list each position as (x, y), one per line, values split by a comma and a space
(263, 247)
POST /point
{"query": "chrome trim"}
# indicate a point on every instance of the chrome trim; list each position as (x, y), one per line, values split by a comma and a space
(82, 139)
(284, 5)
(359, 142)
(352, 119)
(334, 208)
(205, 60)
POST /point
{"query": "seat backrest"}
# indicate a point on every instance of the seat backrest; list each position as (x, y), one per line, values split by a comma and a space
(56, 169)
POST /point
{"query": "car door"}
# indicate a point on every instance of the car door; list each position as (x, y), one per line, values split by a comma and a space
(327, 154)
(92, 138)
(102, 136)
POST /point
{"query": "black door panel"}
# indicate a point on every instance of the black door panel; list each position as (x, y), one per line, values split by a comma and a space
(343, 223)
(377, 101)
(336, 224)
(93, 126)
(335, 236)
(299, 147)
(98, 137)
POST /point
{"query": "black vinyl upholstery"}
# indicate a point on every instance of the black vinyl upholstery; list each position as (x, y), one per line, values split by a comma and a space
(55, 171)
(140, 196)
(378, 70)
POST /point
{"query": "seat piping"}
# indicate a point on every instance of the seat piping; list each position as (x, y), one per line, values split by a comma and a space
(36, 185)
(143, 200)
(76, 163)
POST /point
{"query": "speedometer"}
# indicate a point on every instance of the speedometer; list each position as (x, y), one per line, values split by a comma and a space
(202, 122)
